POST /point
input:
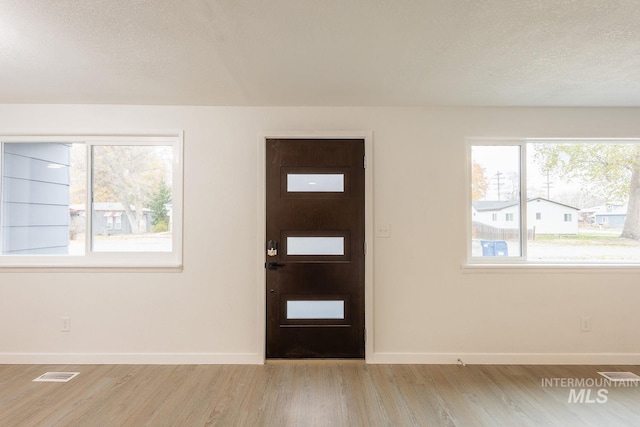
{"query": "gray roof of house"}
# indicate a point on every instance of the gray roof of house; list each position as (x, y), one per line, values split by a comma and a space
(496, 205)
(493, 205)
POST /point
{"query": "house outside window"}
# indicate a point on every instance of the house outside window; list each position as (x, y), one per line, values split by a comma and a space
(567, 197)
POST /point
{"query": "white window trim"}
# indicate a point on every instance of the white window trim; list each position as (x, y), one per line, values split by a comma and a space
(521, 264)
(142, 261)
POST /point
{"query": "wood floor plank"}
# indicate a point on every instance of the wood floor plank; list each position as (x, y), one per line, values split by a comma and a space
(311, 394)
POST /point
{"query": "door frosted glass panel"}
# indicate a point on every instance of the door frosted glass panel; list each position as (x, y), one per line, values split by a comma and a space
(315, 245)
(315, 183)
(315, 309)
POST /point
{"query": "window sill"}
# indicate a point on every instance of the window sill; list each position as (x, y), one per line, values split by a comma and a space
(138, 262)
(549, 268)
(91, 269)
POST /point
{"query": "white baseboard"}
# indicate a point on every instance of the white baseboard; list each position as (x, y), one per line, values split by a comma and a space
(376, 358)
(130, 359)
(506, 358)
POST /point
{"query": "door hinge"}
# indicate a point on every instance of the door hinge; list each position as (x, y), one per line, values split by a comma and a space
(364, 331)
(364, 161)
(365, 248)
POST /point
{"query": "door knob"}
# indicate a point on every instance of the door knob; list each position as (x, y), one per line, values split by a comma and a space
(275, 265)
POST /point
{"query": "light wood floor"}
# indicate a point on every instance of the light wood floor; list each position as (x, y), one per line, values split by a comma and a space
(309, 394)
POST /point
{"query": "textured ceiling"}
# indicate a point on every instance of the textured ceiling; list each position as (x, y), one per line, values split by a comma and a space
(321, 52)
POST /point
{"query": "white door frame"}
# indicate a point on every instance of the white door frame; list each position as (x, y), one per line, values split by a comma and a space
(261, 225)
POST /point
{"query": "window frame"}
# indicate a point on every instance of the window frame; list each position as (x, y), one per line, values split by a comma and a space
(521, 263)
(108, 260)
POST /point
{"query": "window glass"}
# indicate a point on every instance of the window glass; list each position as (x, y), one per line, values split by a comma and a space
(495, 193)
(582, 205)
(315, 245)
(317, 309)
(131, 184)
(315, 183)
(39, 185)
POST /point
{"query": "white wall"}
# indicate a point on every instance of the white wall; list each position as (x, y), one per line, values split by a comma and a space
(502, 222)
(552, 218)
(425, 308)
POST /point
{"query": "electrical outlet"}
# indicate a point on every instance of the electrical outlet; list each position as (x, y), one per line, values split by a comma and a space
(65, 324)
(585, 324)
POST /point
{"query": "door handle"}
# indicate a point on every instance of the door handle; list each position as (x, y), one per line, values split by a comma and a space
(274, 265)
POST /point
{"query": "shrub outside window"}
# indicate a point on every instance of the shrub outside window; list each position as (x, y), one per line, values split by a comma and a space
(580, 198)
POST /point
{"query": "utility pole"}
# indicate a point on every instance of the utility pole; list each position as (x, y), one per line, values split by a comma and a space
(549, 186)
(497, 178)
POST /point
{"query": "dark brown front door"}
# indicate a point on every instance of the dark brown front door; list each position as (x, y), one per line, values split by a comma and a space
(315, 248)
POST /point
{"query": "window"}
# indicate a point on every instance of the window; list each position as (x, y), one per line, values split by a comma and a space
(102, 201)
(329, 183)
(578, 202)
(494, 217)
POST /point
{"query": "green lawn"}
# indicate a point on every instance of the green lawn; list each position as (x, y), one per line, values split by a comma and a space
(587, 239)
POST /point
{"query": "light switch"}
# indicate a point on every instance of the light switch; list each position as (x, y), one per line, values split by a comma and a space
(383, 231)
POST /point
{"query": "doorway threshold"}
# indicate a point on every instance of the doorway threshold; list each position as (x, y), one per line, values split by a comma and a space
(314, 361)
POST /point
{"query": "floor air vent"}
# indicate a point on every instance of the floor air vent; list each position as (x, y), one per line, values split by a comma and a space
(620, 376)
(56, 377)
